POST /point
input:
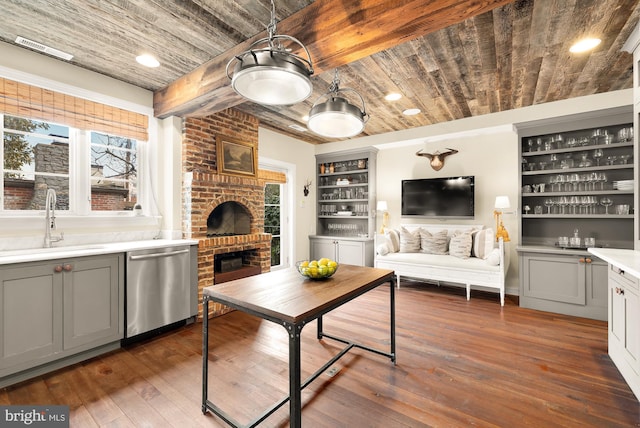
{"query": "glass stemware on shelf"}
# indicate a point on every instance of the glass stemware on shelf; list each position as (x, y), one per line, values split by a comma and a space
(597, 155)
(602, 178)
(548, 203)
(624, 159)
(606, 203)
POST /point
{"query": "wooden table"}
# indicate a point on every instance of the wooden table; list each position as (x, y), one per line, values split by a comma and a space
(286, 298)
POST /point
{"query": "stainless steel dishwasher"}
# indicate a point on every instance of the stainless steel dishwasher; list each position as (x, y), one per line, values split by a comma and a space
(161, 288)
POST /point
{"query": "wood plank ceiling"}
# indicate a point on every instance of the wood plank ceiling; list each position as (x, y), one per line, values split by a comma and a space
(512, 56)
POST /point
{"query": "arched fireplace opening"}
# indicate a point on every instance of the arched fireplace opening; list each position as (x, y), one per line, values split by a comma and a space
(227, 219)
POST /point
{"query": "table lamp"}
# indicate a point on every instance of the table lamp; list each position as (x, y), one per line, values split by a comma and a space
(382, 206)
(502, 203)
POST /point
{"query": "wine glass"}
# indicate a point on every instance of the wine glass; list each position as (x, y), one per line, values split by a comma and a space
(624, 159)
(602, 178)
(554, 159)
(597, 154)
(606, 203)
(527, 208)
(574, 201)
(548, 203)
(563, 201)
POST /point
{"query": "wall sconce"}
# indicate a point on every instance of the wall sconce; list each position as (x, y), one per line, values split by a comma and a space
(502, 203)
(382, 206)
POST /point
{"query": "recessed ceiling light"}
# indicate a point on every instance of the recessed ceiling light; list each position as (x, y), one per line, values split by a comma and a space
(147, 60)
(411, 111)
(584, 45)
(393, 96)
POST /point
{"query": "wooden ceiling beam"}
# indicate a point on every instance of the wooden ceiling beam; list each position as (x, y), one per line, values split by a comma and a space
(334, 31)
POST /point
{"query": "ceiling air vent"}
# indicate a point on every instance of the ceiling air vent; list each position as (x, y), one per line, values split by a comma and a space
(43, 48)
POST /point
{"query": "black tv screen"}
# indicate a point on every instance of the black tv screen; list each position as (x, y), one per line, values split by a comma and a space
(449, 197)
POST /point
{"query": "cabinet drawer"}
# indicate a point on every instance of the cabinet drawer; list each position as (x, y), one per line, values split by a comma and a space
(623, 277)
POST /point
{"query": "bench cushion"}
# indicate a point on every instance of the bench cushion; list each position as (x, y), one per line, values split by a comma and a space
(439, 260)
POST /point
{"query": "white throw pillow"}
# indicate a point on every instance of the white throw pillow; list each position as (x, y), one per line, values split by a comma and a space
(409, 241)
(494, 257)
(394, 238)
(484, 242)
(434, 243)
(383, 249)
(460, 244)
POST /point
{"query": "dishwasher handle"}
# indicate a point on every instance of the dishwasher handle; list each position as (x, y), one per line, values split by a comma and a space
(157, 255)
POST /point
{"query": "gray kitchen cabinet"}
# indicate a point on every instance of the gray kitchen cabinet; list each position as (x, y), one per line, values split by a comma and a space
(572, 284)
(624, 322)
(91, 301)
(55, 309)
(348, 251)
(31, 305)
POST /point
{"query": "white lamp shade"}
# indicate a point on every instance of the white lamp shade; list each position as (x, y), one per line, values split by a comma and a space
(502, 202)
(272, 86)
(336, 118)
(382, 206)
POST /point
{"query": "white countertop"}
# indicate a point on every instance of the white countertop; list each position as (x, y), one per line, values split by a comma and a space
(627, 260)
(39, 254)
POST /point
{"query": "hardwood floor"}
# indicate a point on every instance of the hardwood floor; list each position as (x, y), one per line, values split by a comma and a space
(459, 364)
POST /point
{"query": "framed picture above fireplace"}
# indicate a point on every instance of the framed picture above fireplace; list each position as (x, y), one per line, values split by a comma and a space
(236, 157)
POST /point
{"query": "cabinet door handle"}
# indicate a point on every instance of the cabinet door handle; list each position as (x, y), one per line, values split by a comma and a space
(588, 260)
(581, 259)
(67, 267)
(620, 291)
(58, 268)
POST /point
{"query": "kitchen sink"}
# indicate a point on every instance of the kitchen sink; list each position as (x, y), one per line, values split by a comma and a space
(54, 250)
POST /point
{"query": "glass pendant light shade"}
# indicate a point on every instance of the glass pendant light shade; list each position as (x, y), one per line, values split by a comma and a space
(336, 118)
(269, 74)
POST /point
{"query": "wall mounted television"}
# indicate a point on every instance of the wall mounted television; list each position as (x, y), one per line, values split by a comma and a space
(447, 197)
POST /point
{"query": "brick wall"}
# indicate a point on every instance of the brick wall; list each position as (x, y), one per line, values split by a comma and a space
(209, 189)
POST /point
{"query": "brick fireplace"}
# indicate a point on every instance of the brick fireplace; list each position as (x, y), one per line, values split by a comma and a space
(205, 190)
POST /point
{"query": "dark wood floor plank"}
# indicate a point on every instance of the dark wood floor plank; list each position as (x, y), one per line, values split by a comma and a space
(460, 363)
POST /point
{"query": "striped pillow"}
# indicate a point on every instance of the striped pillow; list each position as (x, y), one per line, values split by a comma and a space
(409, 241)
(460, 244)
(483, 243)
(393, 237)
(434, 243)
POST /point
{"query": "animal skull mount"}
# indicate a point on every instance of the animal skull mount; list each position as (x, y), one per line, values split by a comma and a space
(436, 160)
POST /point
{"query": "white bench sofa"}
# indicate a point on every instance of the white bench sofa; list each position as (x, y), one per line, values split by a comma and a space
(485, 271)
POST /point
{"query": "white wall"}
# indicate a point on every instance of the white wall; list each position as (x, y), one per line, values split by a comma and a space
(492, 159)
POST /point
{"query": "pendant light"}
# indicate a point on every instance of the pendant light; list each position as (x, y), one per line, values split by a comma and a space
(337, 117)
(268, 73)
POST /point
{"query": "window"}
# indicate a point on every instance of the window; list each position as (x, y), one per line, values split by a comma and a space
(273, 220)
(114, 172)
(40, 155)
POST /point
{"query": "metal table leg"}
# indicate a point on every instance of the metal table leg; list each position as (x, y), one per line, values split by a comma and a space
(319, 322)
(295, 395)
(205, 352)
(392, 298)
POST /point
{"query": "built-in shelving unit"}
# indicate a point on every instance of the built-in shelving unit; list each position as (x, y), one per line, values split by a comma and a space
(345, 224)
(575, 176)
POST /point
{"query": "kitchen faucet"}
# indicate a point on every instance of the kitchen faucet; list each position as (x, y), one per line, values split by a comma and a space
(50, 220)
